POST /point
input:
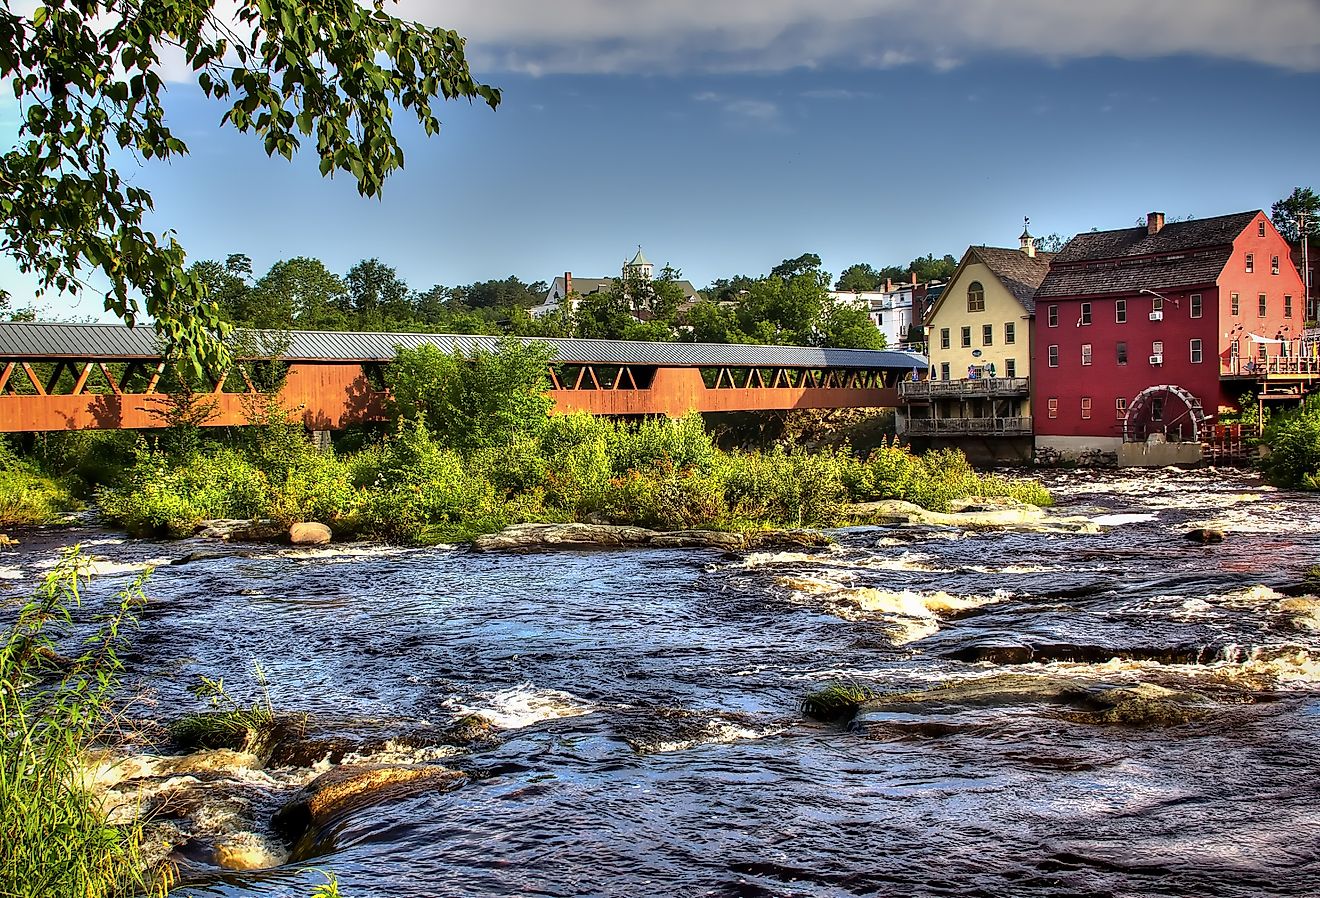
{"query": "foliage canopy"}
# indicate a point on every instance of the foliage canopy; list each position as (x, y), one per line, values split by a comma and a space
(87, 78)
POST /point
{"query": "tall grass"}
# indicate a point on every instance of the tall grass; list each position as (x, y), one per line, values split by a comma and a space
(53, 837)
(27, 495)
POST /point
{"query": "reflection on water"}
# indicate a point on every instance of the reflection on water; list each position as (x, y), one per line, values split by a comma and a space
(648, 739)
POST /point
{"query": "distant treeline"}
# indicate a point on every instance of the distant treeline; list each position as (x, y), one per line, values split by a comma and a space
(791, 305)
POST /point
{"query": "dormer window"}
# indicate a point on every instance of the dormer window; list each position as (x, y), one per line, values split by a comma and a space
(975, 297)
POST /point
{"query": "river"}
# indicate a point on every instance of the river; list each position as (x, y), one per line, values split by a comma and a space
(649, 736)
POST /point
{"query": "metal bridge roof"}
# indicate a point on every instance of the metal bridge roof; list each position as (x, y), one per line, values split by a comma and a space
(42, 340)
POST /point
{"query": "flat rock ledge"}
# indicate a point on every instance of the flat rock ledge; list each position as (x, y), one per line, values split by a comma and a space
(977, 513)
(341, 790)
(578, 536)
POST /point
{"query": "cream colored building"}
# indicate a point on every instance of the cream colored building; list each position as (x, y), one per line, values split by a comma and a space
(979, 333)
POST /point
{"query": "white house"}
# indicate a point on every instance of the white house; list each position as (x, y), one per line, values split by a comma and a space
(568, 287)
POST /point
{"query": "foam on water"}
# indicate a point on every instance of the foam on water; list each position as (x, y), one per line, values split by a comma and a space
(523, 705)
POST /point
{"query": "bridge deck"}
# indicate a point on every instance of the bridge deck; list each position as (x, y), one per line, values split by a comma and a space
(94, 376)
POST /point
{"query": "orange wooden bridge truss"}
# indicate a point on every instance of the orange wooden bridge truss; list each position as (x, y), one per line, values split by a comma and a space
(75, 377)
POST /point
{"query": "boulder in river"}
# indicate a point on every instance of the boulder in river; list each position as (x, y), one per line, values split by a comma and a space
(980, 513)
(347, 788)
(1204, 535)
(309, 533)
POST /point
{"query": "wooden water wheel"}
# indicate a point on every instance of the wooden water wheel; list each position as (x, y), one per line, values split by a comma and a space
(1167, 410)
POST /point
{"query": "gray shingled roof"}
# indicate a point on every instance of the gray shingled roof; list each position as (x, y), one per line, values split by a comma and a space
(1183, 254)
(1019, 273)
(1175, 237)
(40, 340)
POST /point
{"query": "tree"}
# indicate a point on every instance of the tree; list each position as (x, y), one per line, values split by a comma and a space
(791, 268)
(376, 298)
(859, 278)
(1050, 243)
(847, 326)
(929, 268)
(478, 400)
(306, 291)
(1302, 205)
(85, 76)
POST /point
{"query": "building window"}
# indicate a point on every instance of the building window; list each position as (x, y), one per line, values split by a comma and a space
(944, 370)
(1157, 304)
(1262, 352)
(1260, 306)
(1196, 305)
(1287, 307)
(1054, 407)
(1054, 356)
(1274, 264)
(1251, 262)
(944, 338)
(1054, 316)
(1235, 304)
(975, 297)
(1010, 367)
(1196, 352)
(1120, 351)
(1157, 352)
(1260, 228)
(966, 337)
(1120, 312)
(1085, 317)
(1086, 408)
(1086, 353)
(1120, 408)
(987, 334)
(1157, 408)
(1010, 332)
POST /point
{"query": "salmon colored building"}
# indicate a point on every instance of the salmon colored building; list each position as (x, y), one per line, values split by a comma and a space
(1142, 334)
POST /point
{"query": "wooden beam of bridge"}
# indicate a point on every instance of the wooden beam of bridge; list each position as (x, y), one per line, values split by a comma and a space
(102, 384)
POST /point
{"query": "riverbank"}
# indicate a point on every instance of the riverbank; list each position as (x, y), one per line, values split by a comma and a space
(409, 488)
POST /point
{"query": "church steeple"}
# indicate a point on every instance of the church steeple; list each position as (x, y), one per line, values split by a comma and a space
(639, 267)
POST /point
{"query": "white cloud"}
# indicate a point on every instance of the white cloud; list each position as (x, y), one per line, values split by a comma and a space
(744, 112)
(608, 36)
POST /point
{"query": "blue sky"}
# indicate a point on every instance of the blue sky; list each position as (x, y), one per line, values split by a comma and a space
(724, 141)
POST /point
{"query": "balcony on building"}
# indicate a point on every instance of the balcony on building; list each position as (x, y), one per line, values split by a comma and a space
(923, 391)
(962, 427)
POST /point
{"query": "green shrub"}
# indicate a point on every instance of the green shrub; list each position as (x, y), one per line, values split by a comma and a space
(682, 443)
(422, 493)
(481, 399)
(778, 487)
(159, 495)
(1294, 448)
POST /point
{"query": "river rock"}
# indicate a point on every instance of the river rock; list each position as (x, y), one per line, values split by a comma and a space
(1145, 704)
(1204, 535)
(539, 536)
(259, 530)
(972, 514)
(309, 533)
(704, 539)
(343, 789)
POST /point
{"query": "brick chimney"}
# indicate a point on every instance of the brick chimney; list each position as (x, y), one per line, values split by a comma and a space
(914, 279)
(1154, 222)
(889, 285)
(568, 282)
